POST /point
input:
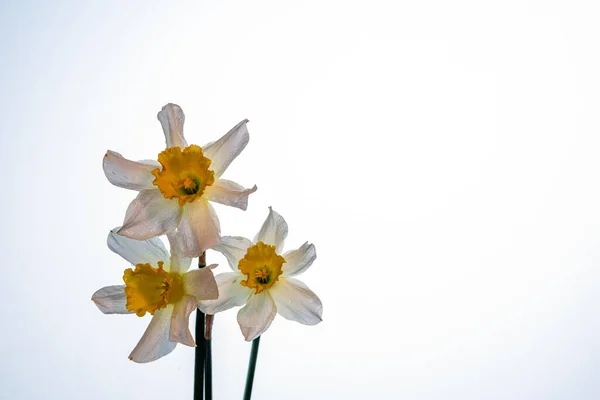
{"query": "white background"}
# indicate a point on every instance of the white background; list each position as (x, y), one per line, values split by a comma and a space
(441, 155)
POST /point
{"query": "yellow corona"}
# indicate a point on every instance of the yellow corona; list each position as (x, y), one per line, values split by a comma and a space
(149, 289)
(184, 174)
(262, 267)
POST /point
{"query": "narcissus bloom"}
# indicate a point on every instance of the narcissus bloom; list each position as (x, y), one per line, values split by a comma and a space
(175, 191)
(158, 284)
(262, 279)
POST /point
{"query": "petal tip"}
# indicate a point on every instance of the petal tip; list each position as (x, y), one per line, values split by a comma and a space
(110, 153)
(165, 108)
(248, 337)
(124, 231)
(114, 231)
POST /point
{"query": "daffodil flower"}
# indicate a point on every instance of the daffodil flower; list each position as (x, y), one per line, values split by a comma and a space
(175, 191)
(262, 279)
(159, 284)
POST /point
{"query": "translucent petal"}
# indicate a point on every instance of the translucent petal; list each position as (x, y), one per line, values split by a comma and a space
(180, 321)
(229, 193)
(111, 300)
(179, 262)
(227, 148)
(199, 228)
(137, 251)
(273, 231)
(201, 283)
(171, 118)
(150, 215)
(234, 248)
(298, 261)
(127, 174)
(231, 294)
(296, 302)
(256, 316)
(155, 343)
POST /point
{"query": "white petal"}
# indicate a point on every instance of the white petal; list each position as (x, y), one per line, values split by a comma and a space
(137, 251)
(149, 215)
(296, 302)
(127, 174)
(256, 316)
(225, 150)
(152, 163)
(229, 193)
(171, 118)
(111, 300)
(273, 231)
(179, 262)
(231, 294)
(200, 228)
(234, 248)
(298, 261)
(180, 321)
(201, 283)
(155, 343)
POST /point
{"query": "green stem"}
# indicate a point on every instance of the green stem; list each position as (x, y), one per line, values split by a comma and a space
(200, 355)
(251, 369)
(208, 368)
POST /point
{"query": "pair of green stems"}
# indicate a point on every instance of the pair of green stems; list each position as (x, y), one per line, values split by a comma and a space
(203, 356)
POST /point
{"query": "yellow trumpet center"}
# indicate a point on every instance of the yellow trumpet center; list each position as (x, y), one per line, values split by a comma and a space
(184, 173)
(149, 289)
(262, 267)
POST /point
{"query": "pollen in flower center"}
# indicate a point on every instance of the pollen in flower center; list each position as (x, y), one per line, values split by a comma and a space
(184, 174)
(262, 275)
(262, 267)
(149, 289)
